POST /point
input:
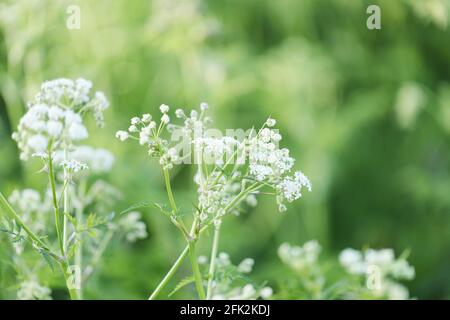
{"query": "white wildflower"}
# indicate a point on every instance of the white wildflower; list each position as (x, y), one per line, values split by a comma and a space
(38, 143)
(388, 267)
(246, 265)
(165, 119)
(401, 269)
(77, 132)
(164, 108)
(34, 211)
(133, 128)
(266, 292)
(204, 106)
(271, 122)
(55, 115)
(135, 120)
(179, 113)
(54, 128)
(32, 290)
(132, 226)
(97, 159)
(381, 258)
(290, 188)
(268, 164)
(146, 117)
(73, 166)
(300, 258)
(352, 260)
(122, 135)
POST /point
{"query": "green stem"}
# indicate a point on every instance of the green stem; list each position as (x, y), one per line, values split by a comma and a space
(185, 252)
(212, 265)
(79, 248)
(51, 176)
(65, 206)
(61, 260)
(170, 274)
(196, 271)
(173, 205)
(169, 191)
(72, 291)
(64, 265)
(193, 258)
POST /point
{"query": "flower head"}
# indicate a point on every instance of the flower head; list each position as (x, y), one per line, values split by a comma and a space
(54, 120)
(33, 290)
(133, 227)
(388, 269)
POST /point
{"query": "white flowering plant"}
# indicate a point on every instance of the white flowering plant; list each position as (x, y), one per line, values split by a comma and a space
(232, 282)
(71, 222)
(232, 169)
(380, 271)
(369, 274)
(231, 172)
(84, 220)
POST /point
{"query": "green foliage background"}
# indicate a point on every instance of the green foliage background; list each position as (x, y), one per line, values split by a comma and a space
(365, 112)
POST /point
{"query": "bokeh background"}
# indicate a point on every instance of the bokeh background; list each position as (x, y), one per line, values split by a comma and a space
(365, 112)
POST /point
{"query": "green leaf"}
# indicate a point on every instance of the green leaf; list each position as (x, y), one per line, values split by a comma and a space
(46, 257)
(184, 282)
(72, 249)
(14, 234)
(91, 225)
(72, 220)
(142, 204)
(161, 208)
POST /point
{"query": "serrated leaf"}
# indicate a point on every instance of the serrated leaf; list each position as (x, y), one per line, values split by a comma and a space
(184, 282)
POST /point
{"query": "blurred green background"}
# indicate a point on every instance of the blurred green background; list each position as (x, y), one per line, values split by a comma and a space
(365, 112)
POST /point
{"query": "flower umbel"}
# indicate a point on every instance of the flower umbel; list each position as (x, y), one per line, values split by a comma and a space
(54, 120)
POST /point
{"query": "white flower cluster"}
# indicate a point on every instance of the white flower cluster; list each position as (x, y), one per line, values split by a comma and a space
(290, 188)
(267, 161)
(223, 284)
(247, 292)
(54, 120)
(73, 166)
(33, 290)
(34, 209)
(215, 194)
(150, 134)
(26, 200)
(300, 258)
(132, 226)
(97, 160)
(270, 164)
(388, 269)
(215, 150)
(75, 95)
(254, 158)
